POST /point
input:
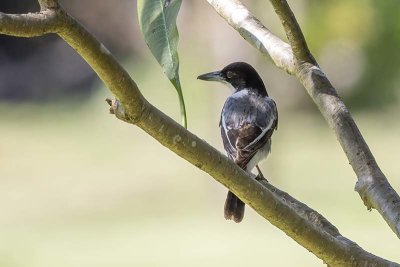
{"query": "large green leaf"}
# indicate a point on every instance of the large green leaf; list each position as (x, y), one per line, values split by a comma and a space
(157, 19)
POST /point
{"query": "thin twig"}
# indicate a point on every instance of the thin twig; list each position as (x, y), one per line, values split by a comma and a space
(293, 31)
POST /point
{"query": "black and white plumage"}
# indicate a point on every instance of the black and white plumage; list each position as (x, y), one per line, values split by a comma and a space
(248, 119)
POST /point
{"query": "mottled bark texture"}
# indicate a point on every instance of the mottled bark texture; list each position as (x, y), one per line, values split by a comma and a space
(304, 225)
(372, 185)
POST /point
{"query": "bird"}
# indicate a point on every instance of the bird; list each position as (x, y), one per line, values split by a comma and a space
(248, 119)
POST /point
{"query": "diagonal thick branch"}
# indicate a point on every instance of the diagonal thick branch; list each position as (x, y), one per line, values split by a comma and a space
(304, 225)
(372, 185)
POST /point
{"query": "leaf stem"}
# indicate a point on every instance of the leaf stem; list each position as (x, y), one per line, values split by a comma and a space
(183, 110)
(177, 84)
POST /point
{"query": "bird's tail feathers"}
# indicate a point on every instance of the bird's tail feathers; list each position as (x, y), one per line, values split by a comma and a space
(234, 208)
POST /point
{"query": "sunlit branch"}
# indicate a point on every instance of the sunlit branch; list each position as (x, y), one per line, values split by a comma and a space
(251, 29)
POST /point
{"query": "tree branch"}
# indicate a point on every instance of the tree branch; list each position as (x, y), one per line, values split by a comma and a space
(252, 30)
(293, 32)
(105, 65)
(29, 25)
(306, 226)
(372, 185)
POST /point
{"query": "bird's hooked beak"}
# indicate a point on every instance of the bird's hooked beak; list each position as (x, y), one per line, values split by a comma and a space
(212, 76)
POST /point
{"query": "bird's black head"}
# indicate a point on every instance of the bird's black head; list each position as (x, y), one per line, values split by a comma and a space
(239, 75)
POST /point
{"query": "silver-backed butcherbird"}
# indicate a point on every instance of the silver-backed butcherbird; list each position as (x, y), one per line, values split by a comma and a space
(248, 119)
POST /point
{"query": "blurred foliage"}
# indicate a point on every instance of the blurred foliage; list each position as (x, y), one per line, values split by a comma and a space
(374, 28)
(380, 83)
(327, 21)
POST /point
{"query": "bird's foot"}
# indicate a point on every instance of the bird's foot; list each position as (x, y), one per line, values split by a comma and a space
(261, 178)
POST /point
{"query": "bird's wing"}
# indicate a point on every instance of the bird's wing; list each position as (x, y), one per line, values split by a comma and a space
(247, 124)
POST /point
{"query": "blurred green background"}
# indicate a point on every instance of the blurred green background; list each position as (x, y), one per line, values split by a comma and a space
(80, 188)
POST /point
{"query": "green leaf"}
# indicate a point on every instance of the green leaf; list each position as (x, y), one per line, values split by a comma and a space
(157, 20)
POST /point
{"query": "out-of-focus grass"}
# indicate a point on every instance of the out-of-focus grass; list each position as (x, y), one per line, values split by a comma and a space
(80, 188)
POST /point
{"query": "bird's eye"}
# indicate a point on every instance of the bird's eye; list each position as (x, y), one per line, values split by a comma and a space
(230, 74)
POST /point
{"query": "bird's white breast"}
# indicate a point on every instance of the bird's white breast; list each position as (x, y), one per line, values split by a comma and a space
(261, 154)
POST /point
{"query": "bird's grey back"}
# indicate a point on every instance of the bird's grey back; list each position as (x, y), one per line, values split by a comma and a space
(255, 109)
